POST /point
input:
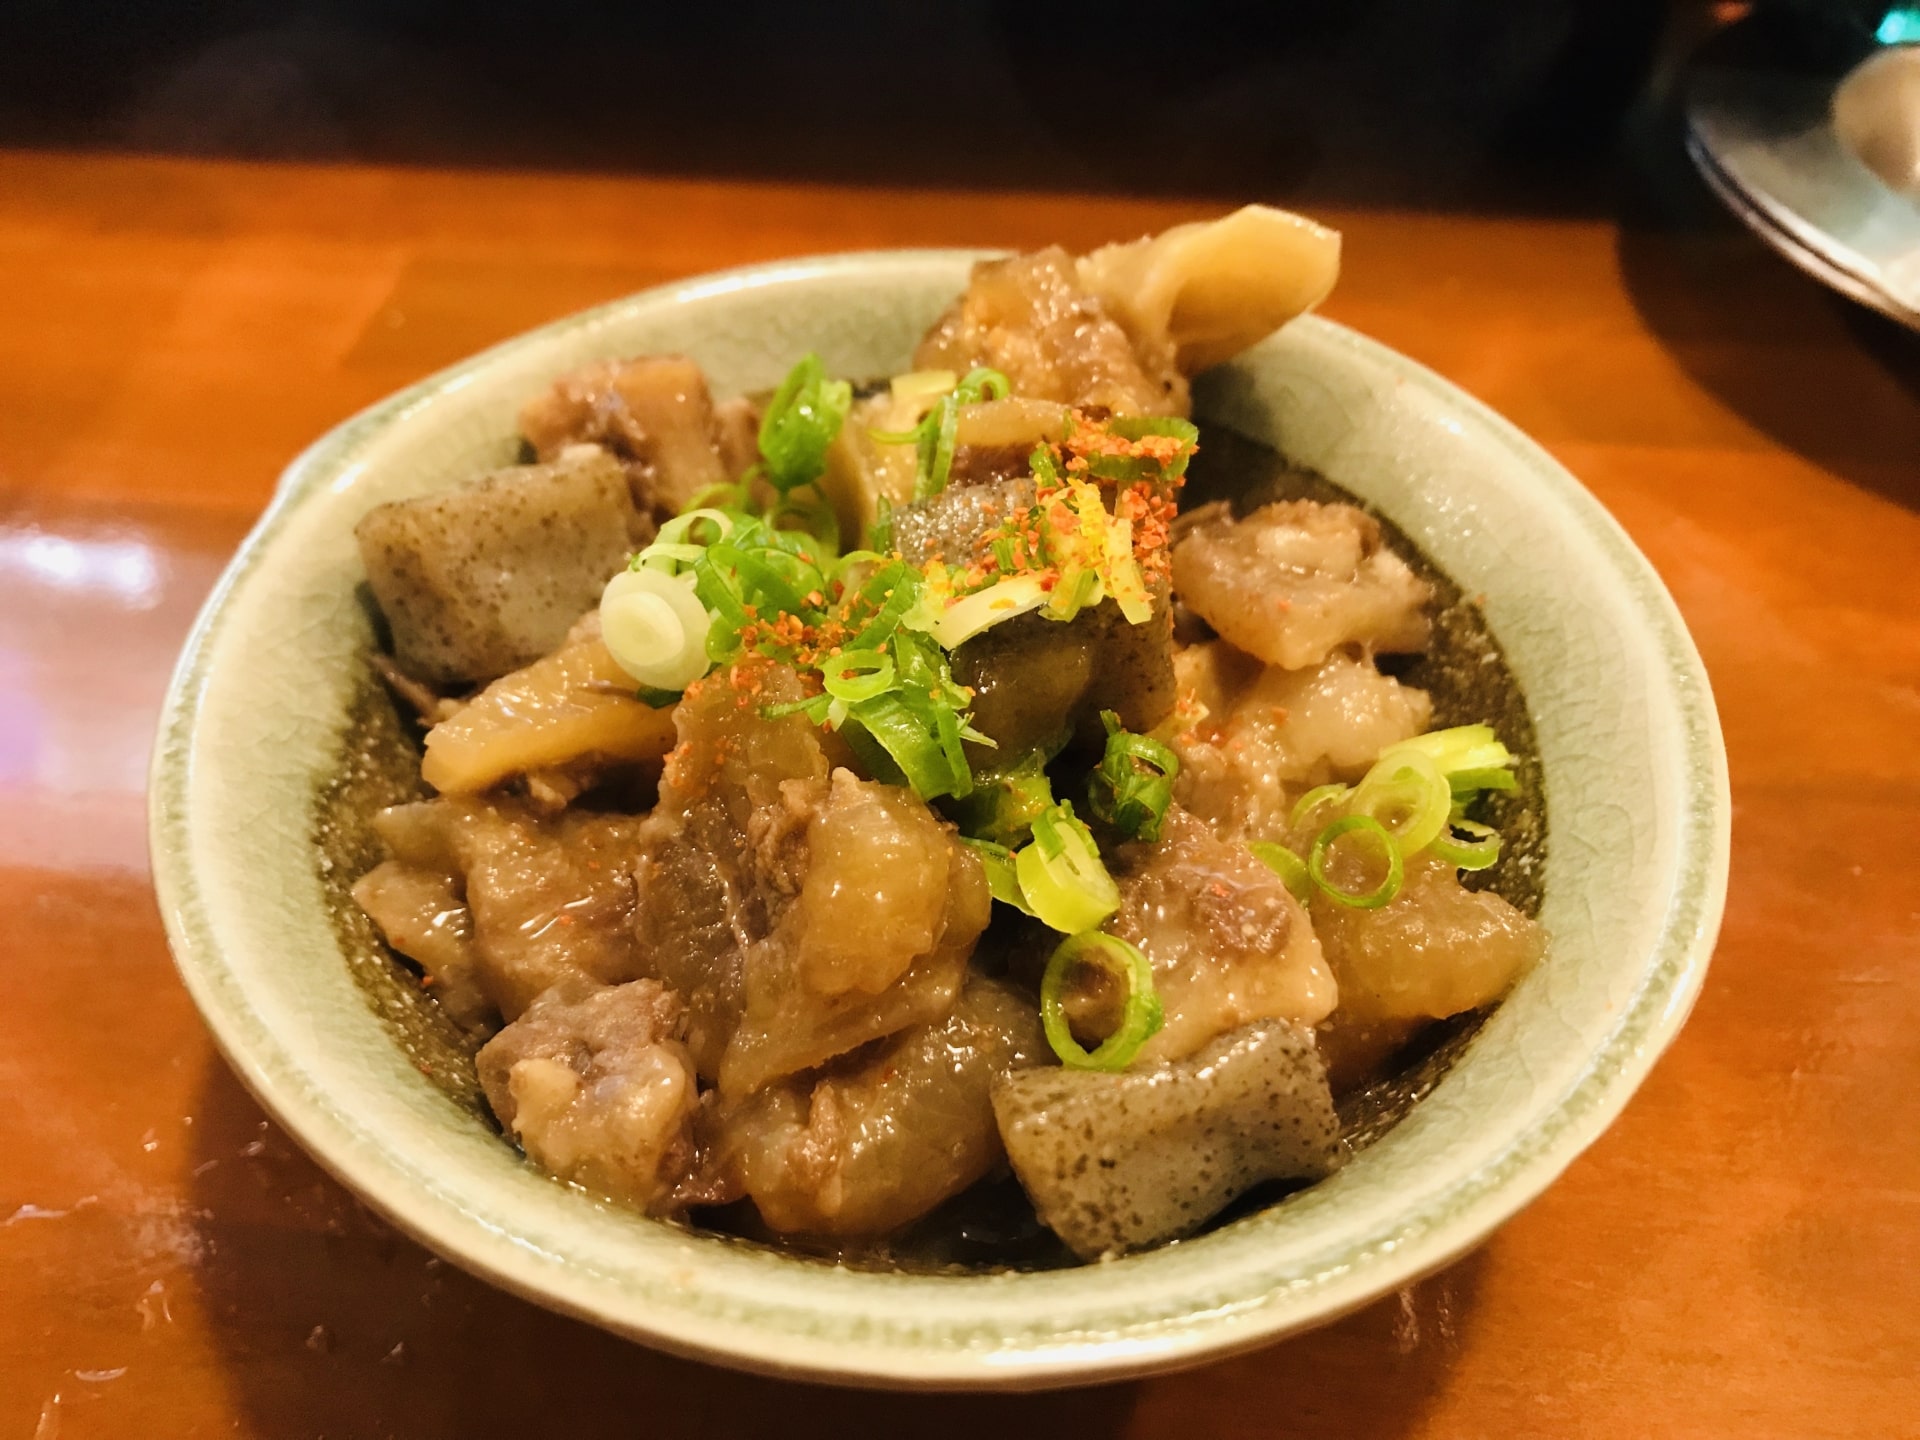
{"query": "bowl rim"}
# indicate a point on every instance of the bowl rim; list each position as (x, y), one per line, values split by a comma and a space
(1472, 1206)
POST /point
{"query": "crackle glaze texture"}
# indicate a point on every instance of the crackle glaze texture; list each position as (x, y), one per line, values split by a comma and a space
(1629, 747)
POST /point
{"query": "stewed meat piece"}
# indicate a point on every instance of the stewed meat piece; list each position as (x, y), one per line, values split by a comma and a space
(1296, 580)
(1229, 944)
(1030, 318)
(546, 897)
(800, 910)
(574, 710)
(721, 855)
(1436, 949)
(877, 939)
(866, 1149)
(1267, 739)
(594, 1083)
(656, 415)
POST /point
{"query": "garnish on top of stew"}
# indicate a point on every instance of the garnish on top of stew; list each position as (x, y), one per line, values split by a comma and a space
(845, 795)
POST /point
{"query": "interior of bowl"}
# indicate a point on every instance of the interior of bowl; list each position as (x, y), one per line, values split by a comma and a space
(1627, 742)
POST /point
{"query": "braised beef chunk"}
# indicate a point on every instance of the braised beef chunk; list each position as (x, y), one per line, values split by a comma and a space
(1435, 950)
(1296, 580)
(1229, 944)
(656, 415)
(574, 712)
(877, 939)
(596, 1086)
(720, 856)
(1030, 318)
(422, 912)
(487, 577)
(1117, 1162)
(547, 898)
(1268, 737)
(866, 1149)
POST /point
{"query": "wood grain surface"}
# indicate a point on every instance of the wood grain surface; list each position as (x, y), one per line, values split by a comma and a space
(1739, 1255)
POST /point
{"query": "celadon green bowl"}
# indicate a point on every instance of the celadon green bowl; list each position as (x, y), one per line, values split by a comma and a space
(1629, 745)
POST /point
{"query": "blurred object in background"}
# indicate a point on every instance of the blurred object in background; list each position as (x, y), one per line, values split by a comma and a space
(1805, 119)
(1876, 112)
(1431, 102)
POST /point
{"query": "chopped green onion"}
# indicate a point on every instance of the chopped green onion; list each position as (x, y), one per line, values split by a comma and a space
(1477, 852)
(1472, 782)
(657, 699)
(982, 384)
(1005, 802)
(1312, 801)
(1134, 785)
(905, 733)
(1139, 1021)
(934, 437)
(1002, 881)
(879, 534)
(1138, 427)
(656, 628)
(802, 419)
(856, 675)
(1061, 874)
(892, 591)
(1408, 795)
(1291, 869)
(818, 519)
(1358, 825)
(1460, 748)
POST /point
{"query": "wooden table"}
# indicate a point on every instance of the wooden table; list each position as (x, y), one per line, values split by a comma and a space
(1739, 1255)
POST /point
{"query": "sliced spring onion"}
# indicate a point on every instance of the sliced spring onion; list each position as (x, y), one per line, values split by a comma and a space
(912, 743)
(1002, 880)
(1139, 1021)
(1291, 869)
(1313, 800)
(1134, 785)
(1061, 874)
(1408, 795)
(982, 384)
(1471, 782)
(1479, 850)
(657, 699)
(1005, 801)
(656, 628)
(962, 619)
(802, 419)
(1372, 830)
(1138, 427)
(1460, 748)
(856, 675)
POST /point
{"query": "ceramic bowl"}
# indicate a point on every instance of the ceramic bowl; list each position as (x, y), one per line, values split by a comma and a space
(1637, 803)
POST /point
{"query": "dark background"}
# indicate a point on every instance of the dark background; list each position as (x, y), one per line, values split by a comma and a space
(1443, 103)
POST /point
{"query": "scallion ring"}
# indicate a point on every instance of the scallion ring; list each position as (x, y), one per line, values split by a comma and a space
(1313, 800)
(1479, 851)
(1139, 1021)
(856, 675)
(1061, 874)
(1371, 828)
(1408, 795)
(1291, 869)
(656, 628)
